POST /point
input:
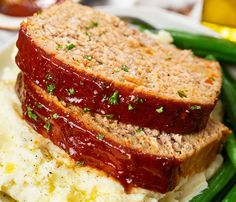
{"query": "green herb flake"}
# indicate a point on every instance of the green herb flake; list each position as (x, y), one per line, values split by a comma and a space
(31, 114)
(140, 100)
(70, 46)
(113, 100)
(47, 126)
(71, 91)
(92, 25)
(48, 77)
(125, 68)
(212, 78)
(195, 107)
(169, 57)
(109, 116)
(100, 137)
(80, 163)
(39, 105)
(88, 57)
(86, 109)
(51, 88)
(59, 47)
(139, 130)
(160, 110)
(55, 116)
(181, 94)
(130, 107)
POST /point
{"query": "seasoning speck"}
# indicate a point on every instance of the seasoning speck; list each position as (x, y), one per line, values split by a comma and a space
(181, 94)
(125, 68)
(51, 88)
(47, 126)
(160, 110)
(71, 91)
(130, 107)
(86, 109)
(195, 107)
(109, 116)
(55, 116)
(113, 100)
(39, 106)
(88, 57)
(100, 137)
(80, 163)
(70, 46)
(31, 114)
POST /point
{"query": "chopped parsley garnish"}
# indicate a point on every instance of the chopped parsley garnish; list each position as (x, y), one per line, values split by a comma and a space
(125, 68)
(195, 107)
(139, 130)
(109, 116)
(31, 114)
(88, 57)
(71, 91)
(47, 126)
(113, 100)
(59, 46)
(51, 88)
(86, 109)
(160, 109)
(140, 100)
(92, 25)
(130, 107)
(100, 137)
(104, 98)
(80, 163)
(181, 94)
(212, 78)
(39, 105)
(55, 116)
(48, 77)
(70, 46)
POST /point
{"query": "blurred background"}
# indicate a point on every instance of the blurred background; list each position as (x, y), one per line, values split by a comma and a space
(219, 15)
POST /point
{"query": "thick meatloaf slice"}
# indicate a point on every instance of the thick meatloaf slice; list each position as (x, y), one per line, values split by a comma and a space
(94, 60)
(136, 157)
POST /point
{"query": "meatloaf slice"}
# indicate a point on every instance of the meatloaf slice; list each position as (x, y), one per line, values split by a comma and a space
(96, 61)
(136, 157)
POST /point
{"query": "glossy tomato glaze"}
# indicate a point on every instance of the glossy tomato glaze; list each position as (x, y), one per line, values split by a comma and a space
(94, 93)
(130, 167)
(23, 7)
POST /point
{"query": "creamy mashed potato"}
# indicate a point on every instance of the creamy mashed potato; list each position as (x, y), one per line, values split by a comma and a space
(33, 169)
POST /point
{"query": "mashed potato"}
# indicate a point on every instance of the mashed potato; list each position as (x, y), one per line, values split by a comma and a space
(33, 169)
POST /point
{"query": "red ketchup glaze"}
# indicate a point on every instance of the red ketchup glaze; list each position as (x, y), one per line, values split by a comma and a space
(130, 167)
(89, 92)
(24, 8)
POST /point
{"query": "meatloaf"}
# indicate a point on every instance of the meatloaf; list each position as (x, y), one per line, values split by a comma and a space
(96, 61)
(137, 157)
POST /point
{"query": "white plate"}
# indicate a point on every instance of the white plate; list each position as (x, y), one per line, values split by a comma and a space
(159, 18)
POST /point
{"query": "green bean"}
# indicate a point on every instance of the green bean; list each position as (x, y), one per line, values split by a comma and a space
(231, 196)
(201, 45)
(230, 147)
(228, 97)
(222, 49)
(217, 183)
(219, 56)
(221, 195)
